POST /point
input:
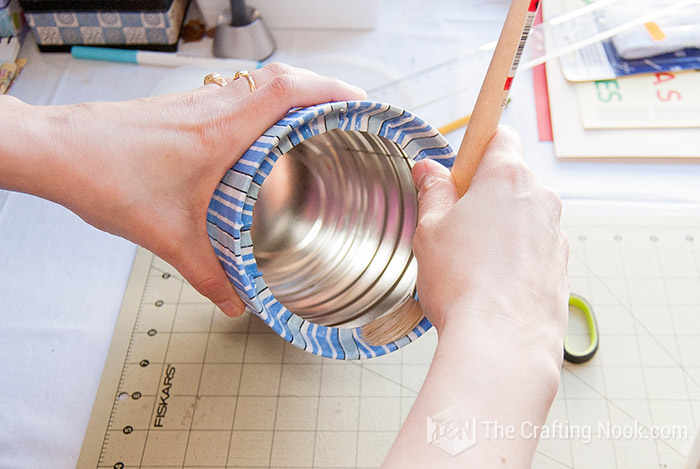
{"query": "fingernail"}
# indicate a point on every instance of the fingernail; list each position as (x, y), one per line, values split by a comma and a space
(231, 308)
(419, 173)
(359, 91)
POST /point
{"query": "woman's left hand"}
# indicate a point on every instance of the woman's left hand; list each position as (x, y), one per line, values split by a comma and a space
(146, 169)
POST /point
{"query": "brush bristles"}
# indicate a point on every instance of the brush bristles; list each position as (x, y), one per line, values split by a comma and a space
(393, 325)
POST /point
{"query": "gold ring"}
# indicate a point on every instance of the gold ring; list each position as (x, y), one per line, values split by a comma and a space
(244, 73)
(215, 78)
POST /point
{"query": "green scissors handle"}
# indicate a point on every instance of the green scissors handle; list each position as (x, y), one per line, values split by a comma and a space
(582, 356)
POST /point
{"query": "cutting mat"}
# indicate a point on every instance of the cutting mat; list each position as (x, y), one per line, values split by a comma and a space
(184, 386)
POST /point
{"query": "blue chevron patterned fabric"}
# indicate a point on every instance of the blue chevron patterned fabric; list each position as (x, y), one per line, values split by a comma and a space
(230, 214)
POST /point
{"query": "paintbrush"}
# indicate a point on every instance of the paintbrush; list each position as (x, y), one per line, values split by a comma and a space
(483, 125)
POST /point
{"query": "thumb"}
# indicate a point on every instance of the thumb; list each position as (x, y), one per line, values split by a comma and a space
(202, 269)
(436, 189)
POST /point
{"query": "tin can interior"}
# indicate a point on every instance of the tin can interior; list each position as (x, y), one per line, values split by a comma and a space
(333, 226)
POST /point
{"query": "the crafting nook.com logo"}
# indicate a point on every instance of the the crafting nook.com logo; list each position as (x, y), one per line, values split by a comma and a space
(452, 430)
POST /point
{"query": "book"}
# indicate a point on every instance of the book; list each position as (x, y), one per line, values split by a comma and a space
(662, 99)
(572, 140)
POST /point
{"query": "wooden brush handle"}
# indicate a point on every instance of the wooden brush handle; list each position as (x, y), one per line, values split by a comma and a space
(494, 92)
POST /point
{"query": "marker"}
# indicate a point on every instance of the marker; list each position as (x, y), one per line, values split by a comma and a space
(163, 59)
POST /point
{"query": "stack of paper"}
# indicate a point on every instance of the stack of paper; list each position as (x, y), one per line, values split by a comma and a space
(609, 135)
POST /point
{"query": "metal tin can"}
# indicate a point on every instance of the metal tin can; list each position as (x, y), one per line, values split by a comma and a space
(314, 223)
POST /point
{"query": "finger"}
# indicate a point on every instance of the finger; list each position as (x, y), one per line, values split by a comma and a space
(436, 189)
(505, 146)
(503, 159)
(506, 143)
(284, 88)
(296, 87)
(273, 71)
(202, 269)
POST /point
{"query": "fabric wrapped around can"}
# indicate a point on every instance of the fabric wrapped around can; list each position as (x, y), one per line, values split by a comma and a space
(379, 141)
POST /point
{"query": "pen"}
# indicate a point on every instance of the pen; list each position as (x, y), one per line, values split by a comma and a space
(164, 59)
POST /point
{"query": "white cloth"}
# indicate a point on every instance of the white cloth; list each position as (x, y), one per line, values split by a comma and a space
(680, 27)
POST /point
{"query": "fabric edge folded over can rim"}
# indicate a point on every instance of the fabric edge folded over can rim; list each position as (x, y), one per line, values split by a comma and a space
(230, 214)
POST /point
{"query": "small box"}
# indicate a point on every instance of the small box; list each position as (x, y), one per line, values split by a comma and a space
(319, 14)
(304, 14)
(11, 19)
(135, 24)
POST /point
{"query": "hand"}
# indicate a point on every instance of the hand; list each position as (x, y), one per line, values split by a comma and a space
(496, 259)
(146, 169)
(492, 279)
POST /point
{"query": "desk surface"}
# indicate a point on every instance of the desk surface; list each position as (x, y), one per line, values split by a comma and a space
(62, 281)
